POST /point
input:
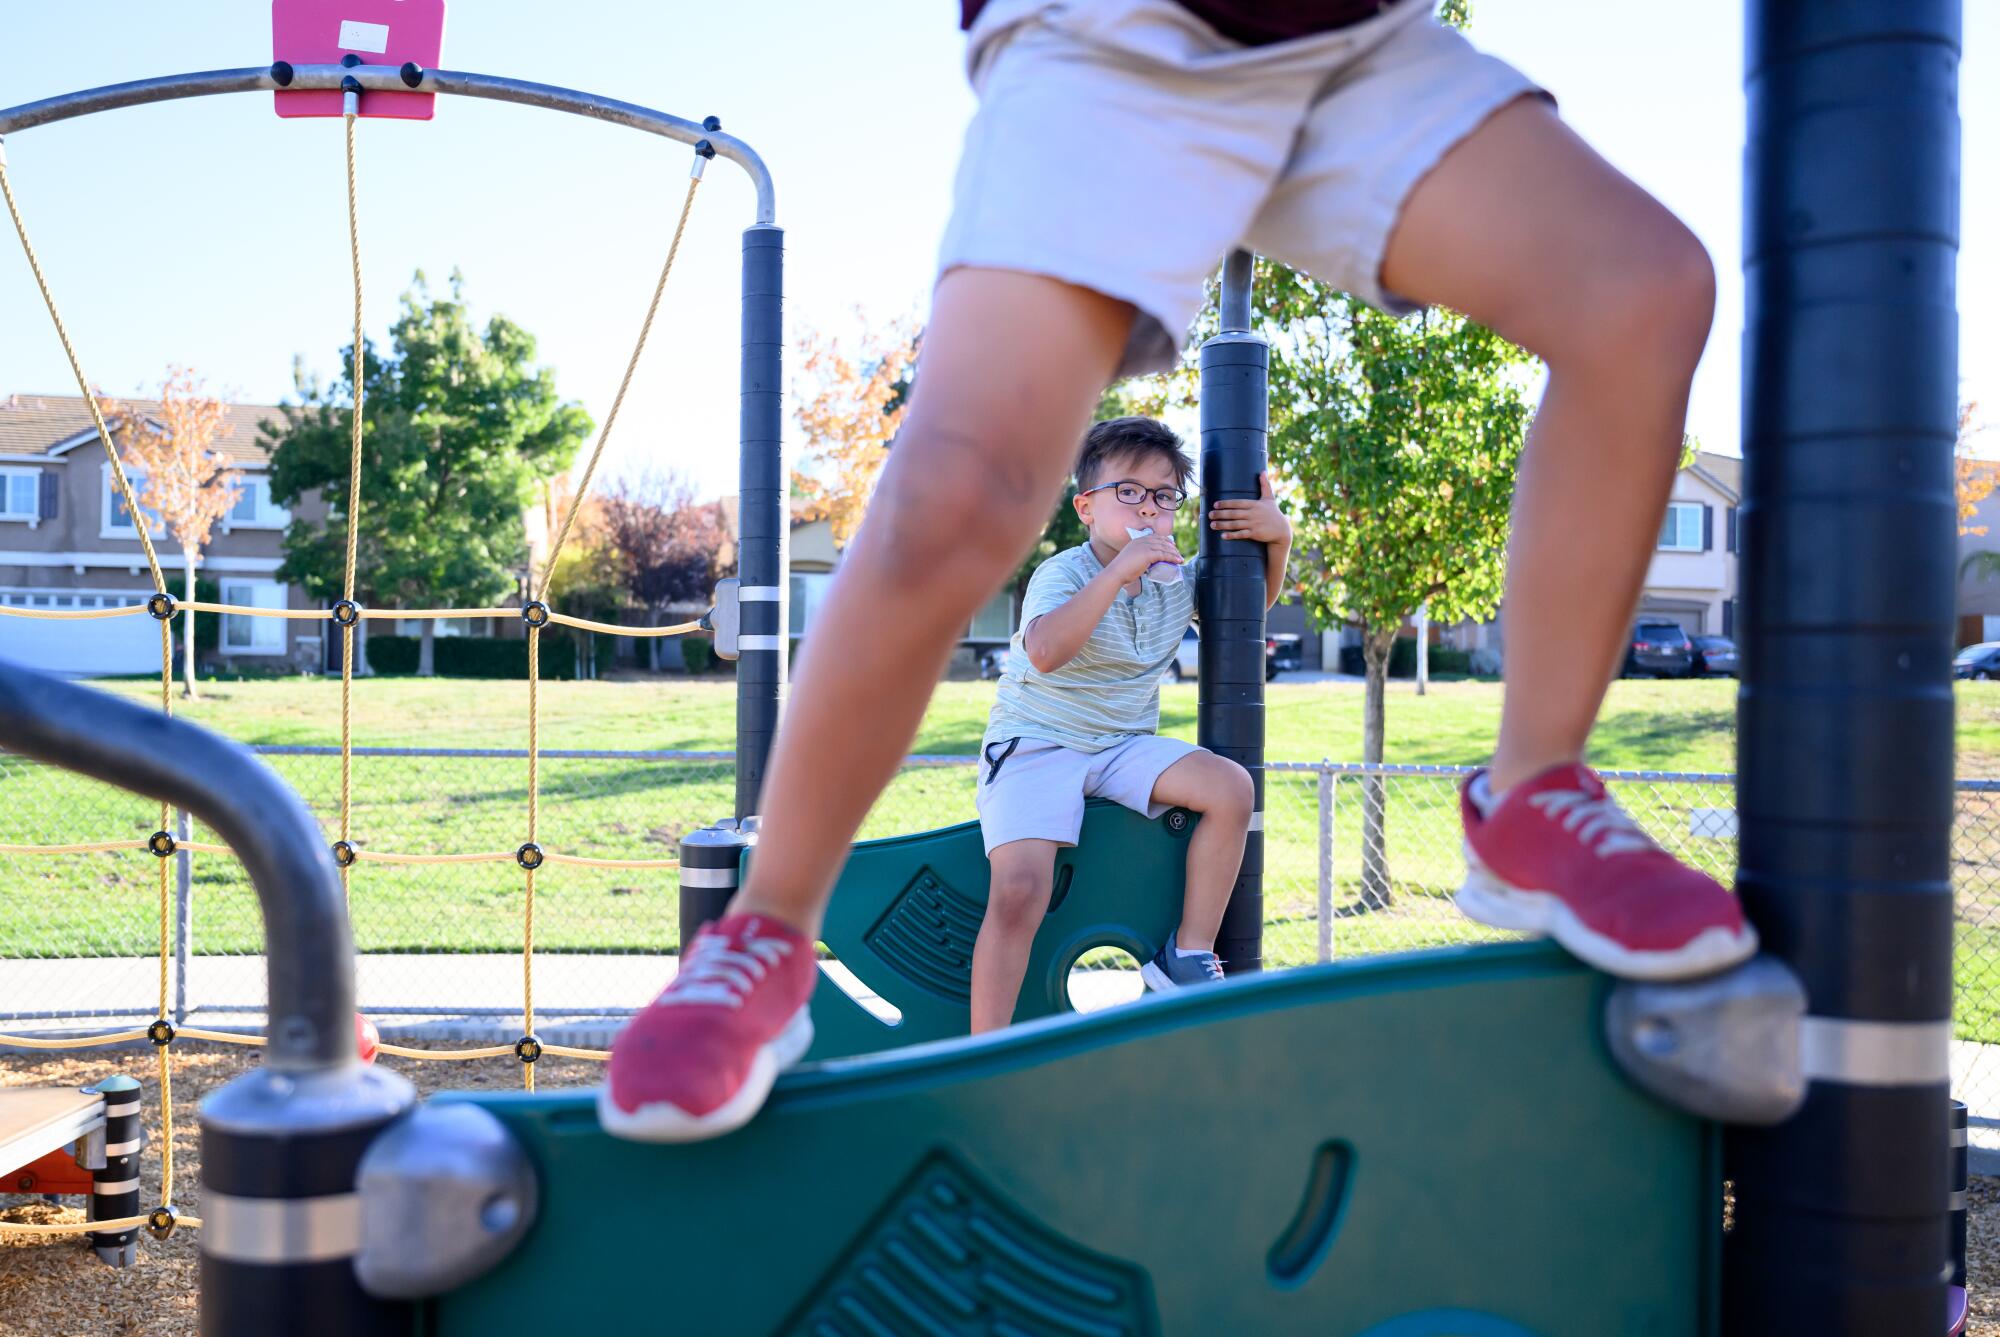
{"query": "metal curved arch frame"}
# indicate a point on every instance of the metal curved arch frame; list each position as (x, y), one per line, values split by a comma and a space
(388, 78)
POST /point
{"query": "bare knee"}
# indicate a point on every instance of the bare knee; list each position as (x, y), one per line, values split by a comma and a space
(1230, 795)
(1641, 312)
(1016, 901)
(964, 501)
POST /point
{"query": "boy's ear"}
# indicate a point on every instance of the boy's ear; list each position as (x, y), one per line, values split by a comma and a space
(1082, 505)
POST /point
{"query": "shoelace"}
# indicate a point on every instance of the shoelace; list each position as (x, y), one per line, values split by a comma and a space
(1213, 966)
(1598, 822)
(716, 972)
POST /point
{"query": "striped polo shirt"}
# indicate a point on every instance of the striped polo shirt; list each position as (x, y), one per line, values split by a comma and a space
(1111, 690)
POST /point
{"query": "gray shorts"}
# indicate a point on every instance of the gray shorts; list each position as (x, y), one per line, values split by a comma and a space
(1036, 789)
(1125, 147)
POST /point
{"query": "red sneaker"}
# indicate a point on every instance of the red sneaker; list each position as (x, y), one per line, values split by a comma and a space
(699, 1062)
(1559, 856)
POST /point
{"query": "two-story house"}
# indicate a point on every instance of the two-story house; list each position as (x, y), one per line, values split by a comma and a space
(1693, 578)
(68, 542)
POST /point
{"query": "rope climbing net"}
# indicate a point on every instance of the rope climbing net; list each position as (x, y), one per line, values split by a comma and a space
(347, 615)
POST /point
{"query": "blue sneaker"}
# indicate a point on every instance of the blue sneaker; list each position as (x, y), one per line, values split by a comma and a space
(1169, 969)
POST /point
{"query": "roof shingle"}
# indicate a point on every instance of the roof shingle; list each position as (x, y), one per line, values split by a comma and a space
(30, 424)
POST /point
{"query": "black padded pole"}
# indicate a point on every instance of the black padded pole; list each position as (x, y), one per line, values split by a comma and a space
(1235, 367)
(1845, 711)
(762, 531)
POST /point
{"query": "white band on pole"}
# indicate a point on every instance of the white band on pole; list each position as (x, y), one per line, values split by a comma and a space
(1875, 1053)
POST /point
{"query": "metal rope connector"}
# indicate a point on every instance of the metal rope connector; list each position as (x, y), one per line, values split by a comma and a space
(344, 853)
(161, 1032)
(529, 856)
(703, 151)
(527, 1049)
(161, 843)
(535, 613)
(160, 1222)
(161, 605)
(346, 613)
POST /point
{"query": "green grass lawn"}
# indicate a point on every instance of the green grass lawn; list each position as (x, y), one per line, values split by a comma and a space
(107, 903)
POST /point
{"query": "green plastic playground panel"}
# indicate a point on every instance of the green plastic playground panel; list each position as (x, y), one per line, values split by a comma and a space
(906, 911)
(1434, 1145)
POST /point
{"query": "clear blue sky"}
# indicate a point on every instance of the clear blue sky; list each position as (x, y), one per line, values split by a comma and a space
(209, 232)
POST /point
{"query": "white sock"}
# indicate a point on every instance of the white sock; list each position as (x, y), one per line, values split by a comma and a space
(1480, 791)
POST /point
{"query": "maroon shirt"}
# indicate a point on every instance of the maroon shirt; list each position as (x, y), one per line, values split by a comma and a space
(1253, 23)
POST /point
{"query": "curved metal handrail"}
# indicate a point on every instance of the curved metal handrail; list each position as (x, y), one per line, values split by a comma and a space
(389, 78)
(309, 951)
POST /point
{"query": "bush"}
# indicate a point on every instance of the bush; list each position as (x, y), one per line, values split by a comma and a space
(472, 656)
(1403, 660)
(698, 653)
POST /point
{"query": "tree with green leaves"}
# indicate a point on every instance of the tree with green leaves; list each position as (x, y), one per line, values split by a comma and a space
(458, 427)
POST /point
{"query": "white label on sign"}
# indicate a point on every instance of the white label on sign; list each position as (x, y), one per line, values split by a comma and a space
(358, 36)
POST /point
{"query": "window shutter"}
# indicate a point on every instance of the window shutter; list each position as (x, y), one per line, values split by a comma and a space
(1732, 529)
(1707, 527)
(51, 498)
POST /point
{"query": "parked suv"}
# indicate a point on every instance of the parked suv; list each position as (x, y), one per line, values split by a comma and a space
(1662, 649)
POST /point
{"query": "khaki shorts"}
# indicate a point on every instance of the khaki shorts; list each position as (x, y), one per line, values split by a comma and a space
(1125, 147)
(1035, 790)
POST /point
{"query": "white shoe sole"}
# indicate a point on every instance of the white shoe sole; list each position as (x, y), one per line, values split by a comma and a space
(664, 1121)
(1155, 979)
(1498, 904)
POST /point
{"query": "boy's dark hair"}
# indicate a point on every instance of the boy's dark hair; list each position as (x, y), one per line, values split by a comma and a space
(1130, 438)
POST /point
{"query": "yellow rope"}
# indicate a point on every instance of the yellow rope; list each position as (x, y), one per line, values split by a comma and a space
(93, 847)
(83, 383)
(375, 856)
(73, 614)
(631, 366)
(432, 613)
(677, 629)
(353, 509)
(534, 810)
(371, 614)
(72, 1042)
(89, 1227)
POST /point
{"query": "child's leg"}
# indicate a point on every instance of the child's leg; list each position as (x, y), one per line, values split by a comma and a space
(1012, 366)
(1016, 899)
(1221, 792)
(1524, 228)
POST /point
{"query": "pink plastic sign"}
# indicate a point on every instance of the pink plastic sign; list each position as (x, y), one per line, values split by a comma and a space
(381, 32)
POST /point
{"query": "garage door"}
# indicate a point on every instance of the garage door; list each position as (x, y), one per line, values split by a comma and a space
(84, 648)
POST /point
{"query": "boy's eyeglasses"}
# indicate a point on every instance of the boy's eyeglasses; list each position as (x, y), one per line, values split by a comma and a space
(1166, 498)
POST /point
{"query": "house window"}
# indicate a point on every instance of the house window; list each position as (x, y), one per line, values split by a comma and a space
(995, 621)
(254, 508)
(1680, 531)
(117, 519)
(243, 635)
(808, 591)
(20, 495)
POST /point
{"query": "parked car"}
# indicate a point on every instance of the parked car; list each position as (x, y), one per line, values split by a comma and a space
(993, 664)
(1977, 661)
(1714, 656)
(1282, 652)
(1662, 649)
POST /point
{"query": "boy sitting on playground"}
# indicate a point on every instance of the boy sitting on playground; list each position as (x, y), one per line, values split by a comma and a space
(1120, 150)
(1079, 707)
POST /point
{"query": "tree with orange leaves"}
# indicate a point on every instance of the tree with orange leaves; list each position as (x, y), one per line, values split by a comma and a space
(848, 410)
(188, 485)
(1976, 478)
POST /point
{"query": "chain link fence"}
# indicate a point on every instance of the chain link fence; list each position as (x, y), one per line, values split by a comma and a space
(1358, 860)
